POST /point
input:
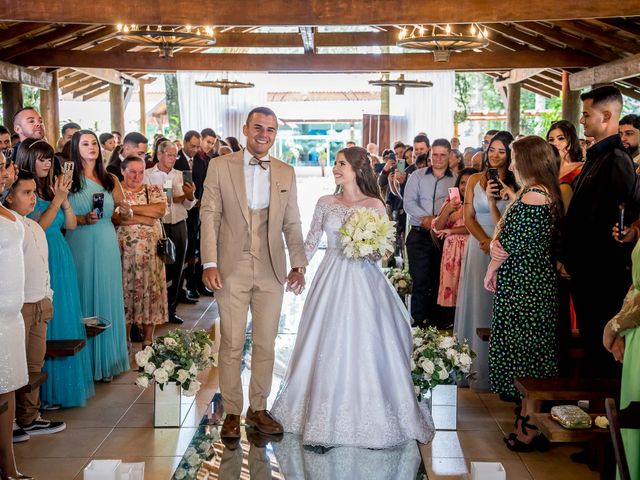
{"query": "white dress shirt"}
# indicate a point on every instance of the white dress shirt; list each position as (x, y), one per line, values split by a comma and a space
(176, 212)
(257, 181)
(37, 284)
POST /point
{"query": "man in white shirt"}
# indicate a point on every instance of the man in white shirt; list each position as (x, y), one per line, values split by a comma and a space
(249, 208)
(37, 310)
(181, 200)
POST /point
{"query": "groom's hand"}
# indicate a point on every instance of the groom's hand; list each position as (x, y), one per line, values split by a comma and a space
(211, 278)
(295, 282)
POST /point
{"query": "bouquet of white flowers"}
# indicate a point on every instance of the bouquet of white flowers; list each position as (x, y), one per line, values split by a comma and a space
(367, 234)
(176, 357)
(401, 280)
(438, 360)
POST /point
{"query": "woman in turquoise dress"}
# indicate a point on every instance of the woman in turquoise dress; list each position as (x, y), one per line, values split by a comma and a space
(70, 379)
(522, 273)
(475, 303)
(97, 256)
(621, 337)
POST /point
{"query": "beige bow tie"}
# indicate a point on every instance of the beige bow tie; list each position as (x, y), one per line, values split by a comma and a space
(263, 164)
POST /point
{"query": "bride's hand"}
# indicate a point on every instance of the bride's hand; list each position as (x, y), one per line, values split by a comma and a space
(295, 282)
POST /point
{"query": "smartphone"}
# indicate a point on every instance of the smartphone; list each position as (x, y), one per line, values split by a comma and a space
(621, 231)
(402, 165)
(454, 194)
(67, 169)
(98, 204)
(494, 176)
(187, 176)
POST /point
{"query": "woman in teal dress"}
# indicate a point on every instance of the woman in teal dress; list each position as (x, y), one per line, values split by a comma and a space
(97, 256)
(522, 273)
(70, 379)
(621, 337)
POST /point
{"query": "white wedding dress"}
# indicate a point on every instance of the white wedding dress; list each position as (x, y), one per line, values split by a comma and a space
(349, 379)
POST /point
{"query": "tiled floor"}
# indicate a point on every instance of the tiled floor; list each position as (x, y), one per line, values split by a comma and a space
(117, 423)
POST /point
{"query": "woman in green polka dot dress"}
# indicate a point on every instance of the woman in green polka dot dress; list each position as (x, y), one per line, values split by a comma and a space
(522, 273)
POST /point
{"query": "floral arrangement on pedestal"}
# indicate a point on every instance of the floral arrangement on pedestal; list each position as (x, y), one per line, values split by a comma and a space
(438, 360)
(400, 280)
(176, 357)
(368, 234)
(198, 452)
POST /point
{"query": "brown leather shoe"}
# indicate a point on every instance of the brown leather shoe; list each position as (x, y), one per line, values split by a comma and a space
(263, 421)
(231, 427)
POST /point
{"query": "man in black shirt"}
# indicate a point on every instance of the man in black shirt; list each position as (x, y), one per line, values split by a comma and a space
(599, 268)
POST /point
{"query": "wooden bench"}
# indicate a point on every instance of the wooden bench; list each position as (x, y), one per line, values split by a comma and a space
(64, 348)
(93, 331)
(557, 433)
(35, 380)
(560, 388)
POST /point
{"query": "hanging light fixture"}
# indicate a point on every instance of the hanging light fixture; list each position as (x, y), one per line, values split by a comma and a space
(225, 85)
(400, 84)
(442, 41)
(166, 38)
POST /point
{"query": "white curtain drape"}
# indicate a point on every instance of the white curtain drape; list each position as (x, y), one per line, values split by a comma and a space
(428, 110)
(202, 107)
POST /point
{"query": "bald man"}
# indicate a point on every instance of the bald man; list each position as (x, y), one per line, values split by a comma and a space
(599, 267)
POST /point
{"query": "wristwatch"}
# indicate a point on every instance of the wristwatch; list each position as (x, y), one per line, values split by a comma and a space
(301, 270)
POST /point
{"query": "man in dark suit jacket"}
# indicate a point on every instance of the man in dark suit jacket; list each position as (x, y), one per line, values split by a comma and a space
(599, 267)
(187, 161)
(133, 144)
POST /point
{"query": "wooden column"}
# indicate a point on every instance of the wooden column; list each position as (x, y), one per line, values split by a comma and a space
(143, 108)
(50, 110)
(116, 101)
(513, 108)
(571, 105)
(11, 102)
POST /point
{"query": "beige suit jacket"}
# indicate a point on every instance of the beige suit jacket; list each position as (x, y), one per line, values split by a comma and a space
(224, 215)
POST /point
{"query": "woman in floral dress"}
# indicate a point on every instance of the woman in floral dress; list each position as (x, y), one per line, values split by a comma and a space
(143, 274)
(523, 276)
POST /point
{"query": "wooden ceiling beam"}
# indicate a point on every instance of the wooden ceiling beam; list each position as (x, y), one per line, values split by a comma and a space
(26, 76)
(635, 81)
(521, 36)
(100, 34)
(310, 12)
(599, 35)
(626, 26)
(84, 81)
(606, 73)
(39, 41)
(151, 62)
(96, 84)
(629, 92)
(546, 83)
(20, 29)
(570, 41)
(540, 90)
(64, 81)
(95, 93)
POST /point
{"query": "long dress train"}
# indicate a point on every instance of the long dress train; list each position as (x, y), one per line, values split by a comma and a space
(349, 379)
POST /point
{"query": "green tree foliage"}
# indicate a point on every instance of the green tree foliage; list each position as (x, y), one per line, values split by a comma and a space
(173, 106)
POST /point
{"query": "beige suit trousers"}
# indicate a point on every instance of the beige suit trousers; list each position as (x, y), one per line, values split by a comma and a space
(251, 284)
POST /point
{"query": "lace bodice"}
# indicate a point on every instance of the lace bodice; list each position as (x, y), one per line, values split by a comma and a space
(329, 216)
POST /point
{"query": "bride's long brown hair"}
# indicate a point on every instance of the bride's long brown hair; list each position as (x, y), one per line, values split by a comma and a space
(360, 161)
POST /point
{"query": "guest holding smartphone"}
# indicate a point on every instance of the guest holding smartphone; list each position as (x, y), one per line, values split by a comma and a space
(70, 379)
(95, 250)
(482, 212)
(449, 224)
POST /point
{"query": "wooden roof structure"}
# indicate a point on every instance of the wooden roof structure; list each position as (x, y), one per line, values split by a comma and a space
(543, 37)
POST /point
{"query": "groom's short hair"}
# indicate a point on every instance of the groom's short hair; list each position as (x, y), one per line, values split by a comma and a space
(263, 110)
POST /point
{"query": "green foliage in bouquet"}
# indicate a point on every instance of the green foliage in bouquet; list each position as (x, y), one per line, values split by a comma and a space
(438, 360)
(176, 357)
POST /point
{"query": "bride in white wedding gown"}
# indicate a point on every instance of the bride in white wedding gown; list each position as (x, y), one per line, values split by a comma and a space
(349, 379)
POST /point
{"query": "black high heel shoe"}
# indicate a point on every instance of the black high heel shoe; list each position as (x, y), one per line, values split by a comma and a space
(539, 442)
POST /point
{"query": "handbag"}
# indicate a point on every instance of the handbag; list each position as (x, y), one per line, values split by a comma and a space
(165, 248)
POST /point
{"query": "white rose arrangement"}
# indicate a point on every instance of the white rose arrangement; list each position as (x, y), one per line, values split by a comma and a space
(176, 357)
(367, 234)
(438, 360)
(400, 280)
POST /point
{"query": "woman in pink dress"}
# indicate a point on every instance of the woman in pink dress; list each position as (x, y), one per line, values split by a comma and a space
(449, 224)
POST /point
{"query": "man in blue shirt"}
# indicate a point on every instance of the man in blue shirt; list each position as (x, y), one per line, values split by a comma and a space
(424, 194)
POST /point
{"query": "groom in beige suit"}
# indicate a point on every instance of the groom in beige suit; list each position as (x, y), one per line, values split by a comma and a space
(249, 204)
